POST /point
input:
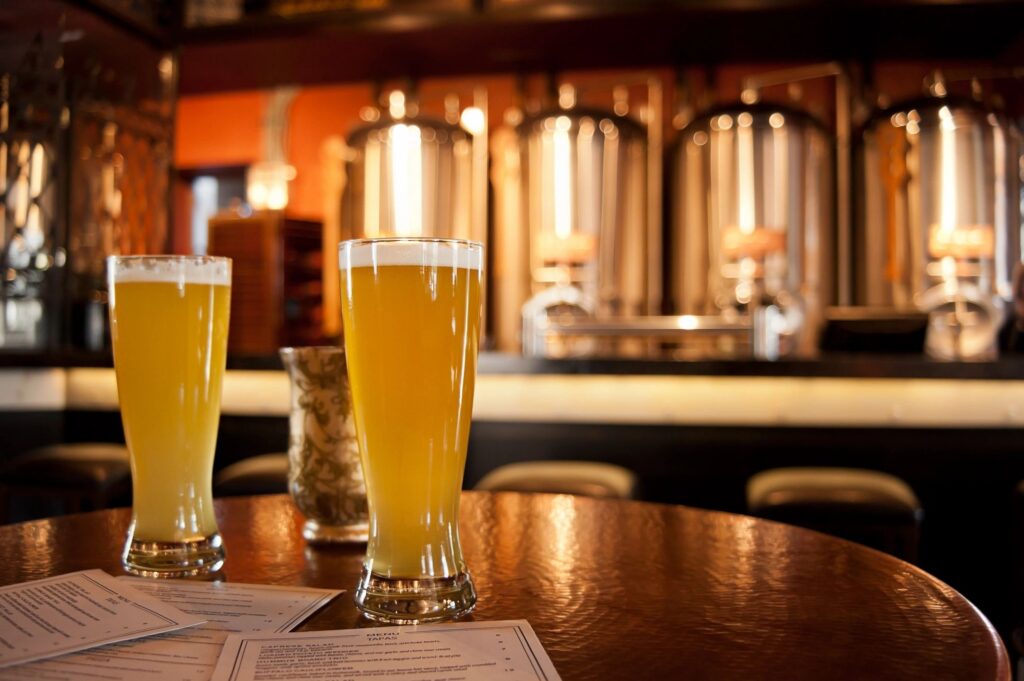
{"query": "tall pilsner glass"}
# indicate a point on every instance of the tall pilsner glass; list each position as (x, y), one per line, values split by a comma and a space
(169, 323)
(411, 310)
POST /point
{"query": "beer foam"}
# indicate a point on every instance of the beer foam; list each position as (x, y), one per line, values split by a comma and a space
(194, 270)
(383, 253)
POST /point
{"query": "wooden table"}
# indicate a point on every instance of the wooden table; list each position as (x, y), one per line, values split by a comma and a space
(617, 590)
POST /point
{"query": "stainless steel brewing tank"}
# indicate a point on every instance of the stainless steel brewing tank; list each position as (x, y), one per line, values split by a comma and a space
(941, 222)
(752, 217)
(408, 177)
(585, 199)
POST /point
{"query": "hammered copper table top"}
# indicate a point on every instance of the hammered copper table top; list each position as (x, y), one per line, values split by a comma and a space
(616, 590)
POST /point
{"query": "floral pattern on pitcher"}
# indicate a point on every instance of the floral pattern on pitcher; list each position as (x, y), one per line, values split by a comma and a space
(325, 475)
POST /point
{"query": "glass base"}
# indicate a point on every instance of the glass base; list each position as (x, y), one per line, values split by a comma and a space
(174, 559)
(320, 533)
(414, 601)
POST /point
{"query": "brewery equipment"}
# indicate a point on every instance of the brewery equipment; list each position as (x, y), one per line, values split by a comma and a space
(586, 181)
(941, 218)
(752, 222)
(406, 174)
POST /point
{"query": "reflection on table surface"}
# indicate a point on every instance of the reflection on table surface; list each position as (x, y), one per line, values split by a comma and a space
(613, 588)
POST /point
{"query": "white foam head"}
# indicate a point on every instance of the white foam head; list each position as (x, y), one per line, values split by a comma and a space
(416, 252)
(186, 269)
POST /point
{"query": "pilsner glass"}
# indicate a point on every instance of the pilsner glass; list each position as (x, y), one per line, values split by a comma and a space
(411, 310)
(169, 324)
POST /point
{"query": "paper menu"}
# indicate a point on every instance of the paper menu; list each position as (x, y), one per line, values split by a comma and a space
(188, 655)
(239, 607)
(63, 614)
(469, 651)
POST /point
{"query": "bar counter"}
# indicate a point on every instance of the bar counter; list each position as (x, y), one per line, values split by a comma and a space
(846, 392)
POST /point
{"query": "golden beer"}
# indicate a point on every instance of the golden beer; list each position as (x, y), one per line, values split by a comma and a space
(169, 324)
(411, 311)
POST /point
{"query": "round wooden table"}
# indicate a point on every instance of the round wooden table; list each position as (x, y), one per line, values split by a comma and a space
(616, 590)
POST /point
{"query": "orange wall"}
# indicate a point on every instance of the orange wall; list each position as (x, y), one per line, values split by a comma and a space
(316, 114)
(219, 130)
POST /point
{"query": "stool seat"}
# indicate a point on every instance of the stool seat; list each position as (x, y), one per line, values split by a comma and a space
(870, 507)
(263, 474)
(65, 478)
(97, 466)
(584, 478)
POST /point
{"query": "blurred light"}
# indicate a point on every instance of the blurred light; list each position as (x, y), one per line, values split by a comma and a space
(745, 120)
(725, 122)
(266, 185)
(898, 120)
(563, 124)
(700, 138)
(472, 120)
(566, 96)
(396, 104)
(620, 95)
(204, 206)
(37, 172)
(776, 120)
(165, 67)
(687, 322)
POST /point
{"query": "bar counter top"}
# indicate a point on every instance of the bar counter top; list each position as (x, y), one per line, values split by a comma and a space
(1008, 367)
(867, 392)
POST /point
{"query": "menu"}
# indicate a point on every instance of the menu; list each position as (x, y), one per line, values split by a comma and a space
(188, 655)
(57, 615)
(469, 651)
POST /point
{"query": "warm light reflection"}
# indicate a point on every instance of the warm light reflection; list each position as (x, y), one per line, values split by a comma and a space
(564, 527)
(407, 178)
(948, 206)
(745, 177)
(563, 177)
(371, 195)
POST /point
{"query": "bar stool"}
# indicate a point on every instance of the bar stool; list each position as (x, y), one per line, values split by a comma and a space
(70, 477)
(584, 478)
(263, 474)
(868, 507)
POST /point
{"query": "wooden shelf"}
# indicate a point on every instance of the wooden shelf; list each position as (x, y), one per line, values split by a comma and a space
(349, 46)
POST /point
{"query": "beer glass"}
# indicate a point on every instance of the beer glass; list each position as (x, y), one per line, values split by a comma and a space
(169, 325)
(411, 311)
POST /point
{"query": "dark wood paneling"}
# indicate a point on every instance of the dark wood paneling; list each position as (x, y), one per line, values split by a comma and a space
(352, 46)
